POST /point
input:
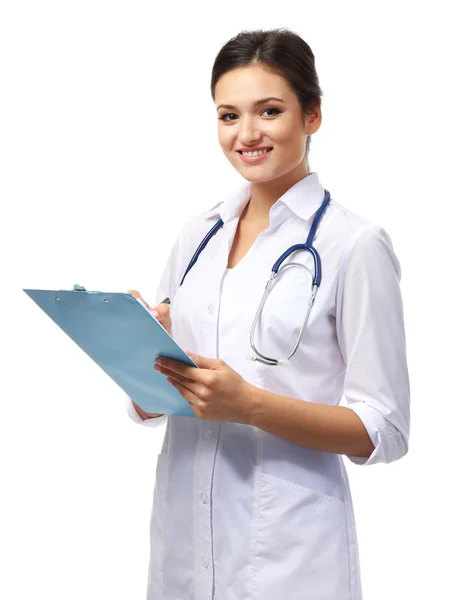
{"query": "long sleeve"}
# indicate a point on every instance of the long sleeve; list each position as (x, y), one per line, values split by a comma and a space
(371, 336)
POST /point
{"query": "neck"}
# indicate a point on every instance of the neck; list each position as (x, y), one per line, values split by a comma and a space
(264, 195)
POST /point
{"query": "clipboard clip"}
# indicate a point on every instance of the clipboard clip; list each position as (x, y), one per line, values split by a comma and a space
(80, 288)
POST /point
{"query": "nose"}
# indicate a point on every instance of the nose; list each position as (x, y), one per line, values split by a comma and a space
(248, 131)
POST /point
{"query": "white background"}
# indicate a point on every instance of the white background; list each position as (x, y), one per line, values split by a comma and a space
(108, 145)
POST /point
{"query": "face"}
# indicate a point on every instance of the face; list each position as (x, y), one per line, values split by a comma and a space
(249, 122)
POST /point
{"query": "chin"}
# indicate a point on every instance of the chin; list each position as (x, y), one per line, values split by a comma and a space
(256, 174)
(262, 175)
(251, 178)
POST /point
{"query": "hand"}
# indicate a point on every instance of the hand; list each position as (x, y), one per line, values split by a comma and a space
(214, 390)
(161, 312)
(145, 415)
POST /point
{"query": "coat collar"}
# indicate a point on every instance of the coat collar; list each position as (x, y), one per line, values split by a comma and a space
(302, 200)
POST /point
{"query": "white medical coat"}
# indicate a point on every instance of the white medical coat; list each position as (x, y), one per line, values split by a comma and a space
(238, 513)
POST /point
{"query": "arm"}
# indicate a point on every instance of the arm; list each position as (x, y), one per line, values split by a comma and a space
(167, 287)
(178, 259)
(370, 330)
(328, 428)
(371, 337)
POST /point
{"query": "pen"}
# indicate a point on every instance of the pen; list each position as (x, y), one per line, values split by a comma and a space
(165, 301)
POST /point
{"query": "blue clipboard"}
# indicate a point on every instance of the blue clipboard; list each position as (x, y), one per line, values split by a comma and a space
(118, 332)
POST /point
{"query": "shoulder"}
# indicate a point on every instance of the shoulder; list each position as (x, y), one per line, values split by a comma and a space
(196, 228)
(185, 245)
(361, 243)
(352, 230)
(190, 235)
(345, 224)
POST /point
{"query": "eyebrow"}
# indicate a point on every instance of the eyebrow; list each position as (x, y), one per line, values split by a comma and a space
(262, 101)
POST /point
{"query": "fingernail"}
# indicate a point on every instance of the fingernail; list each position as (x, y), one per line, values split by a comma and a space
(154, 313)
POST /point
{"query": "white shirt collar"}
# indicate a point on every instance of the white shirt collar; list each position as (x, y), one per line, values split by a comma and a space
(302, 199)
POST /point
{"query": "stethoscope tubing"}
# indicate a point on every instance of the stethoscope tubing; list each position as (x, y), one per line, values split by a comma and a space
(276, 269)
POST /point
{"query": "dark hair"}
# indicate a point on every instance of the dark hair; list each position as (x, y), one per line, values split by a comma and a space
(281, 51)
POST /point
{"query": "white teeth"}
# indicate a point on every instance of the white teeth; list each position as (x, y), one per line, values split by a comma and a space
(256, 153)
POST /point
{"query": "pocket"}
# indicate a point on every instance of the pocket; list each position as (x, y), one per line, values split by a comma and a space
(302, 543)
(157, 521)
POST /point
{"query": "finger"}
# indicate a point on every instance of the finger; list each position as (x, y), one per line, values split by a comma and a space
(163, 312)
(137, 295)
(187, 395)
(169, 373)
(203, 362)
(181, 368)
(195, 387)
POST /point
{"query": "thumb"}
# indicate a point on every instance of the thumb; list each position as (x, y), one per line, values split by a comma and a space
(161, 311)
(203, 362)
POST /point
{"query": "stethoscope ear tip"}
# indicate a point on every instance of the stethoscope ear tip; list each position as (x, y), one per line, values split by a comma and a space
(251, 357)
(280, 363)
(283, 363)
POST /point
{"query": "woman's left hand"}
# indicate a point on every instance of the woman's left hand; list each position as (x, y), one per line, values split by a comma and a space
(214, 390)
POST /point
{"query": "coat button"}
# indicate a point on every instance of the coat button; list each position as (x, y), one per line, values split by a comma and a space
(210, 309)
(209, 434)
(205, 561)
(204, 498)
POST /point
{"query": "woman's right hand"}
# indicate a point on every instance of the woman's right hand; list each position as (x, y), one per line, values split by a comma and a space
(161, 312)
(145, 415)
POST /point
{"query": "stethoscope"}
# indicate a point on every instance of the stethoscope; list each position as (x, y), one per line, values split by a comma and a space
(316, 281)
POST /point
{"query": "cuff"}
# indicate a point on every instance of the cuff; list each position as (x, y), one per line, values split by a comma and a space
(389, 443)
(134, 416)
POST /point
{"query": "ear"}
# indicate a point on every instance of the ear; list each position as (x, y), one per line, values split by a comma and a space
(312, 121)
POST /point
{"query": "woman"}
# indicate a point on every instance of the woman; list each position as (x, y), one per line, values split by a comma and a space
(252, 499)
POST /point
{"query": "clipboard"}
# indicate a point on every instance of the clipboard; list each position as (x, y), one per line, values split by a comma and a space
(120, 335)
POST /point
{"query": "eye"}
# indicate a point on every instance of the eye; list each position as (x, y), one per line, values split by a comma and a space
(276, 109)
(223, 117)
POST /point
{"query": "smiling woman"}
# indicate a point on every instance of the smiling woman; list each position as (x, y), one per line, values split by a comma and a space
(267, 135)
(266, 447)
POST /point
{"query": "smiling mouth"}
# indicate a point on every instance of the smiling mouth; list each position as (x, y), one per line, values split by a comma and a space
(255, 153)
